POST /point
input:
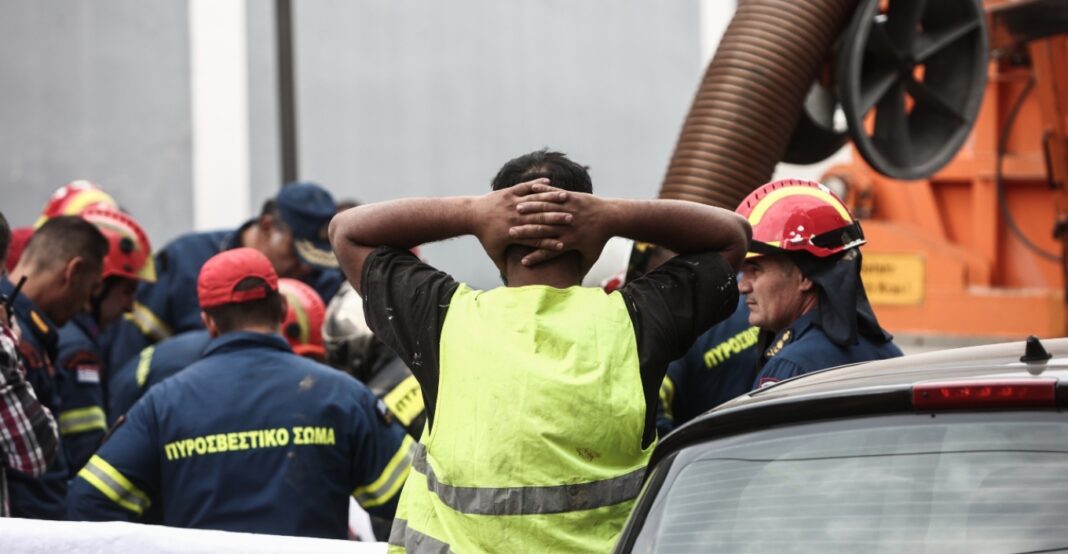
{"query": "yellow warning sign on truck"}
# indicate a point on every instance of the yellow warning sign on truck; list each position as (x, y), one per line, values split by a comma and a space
(894, 279)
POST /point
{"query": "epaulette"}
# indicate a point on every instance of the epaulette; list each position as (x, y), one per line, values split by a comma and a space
(779, 344)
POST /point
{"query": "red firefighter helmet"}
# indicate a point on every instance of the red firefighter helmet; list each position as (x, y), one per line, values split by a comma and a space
(20, 237)
(793, 215)
(74, 198)
(303, 326)
(129, 252)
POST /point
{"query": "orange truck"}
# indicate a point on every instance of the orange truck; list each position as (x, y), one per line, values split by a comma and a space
(958, 115)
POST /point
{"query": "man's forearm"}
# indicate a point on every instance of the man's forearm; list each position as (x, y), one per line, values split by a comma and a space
(405, 223)
(681, 226)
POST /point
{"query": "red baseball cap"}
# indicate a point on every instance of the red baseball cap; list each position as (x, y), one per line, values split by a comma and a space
(221, 274)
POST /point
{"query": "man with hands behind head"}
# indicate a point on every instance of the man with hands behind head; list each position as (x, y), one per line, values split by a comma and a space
(540, 395)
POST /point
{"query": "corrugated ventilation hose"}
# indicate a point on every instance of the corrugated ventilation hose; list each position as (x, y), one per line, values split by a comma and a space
(750, 98)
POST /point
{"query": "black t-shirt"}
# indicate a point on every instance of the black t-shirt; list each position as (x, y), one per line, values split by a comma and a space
(405, 303)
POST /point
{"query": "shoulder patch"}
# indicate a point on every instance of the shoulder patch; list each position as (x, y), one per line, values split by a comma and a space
(86, 367)
(766, 381)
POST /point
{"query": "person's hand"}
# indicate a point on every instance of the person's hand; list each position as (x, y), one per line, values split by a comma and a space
(497, 212)
(586, 233)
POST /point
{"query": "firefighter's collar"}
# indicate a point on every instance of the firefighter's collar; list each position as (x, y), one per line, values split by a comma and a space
(798, 328)
(32, 318)
(240, 340)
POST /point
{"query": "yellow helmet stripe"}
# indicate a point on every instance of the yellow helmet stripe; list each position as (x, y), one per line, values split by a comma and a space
(302, 316)
(768, 201)
(86, 198)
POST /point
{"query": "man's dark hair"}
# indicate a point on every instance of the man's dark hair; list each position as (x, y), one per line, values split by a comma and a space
(63, 238)
(5, 237)
(265, 312)
(555, 166)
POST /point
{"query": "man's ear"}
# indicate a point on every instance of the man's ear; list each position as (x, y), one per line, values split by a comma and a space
(807, 284)
(209, 324)
(73, 268)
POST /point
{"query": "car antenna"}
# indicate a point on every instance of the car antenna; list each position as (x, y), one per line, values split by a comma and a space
(1035, 352)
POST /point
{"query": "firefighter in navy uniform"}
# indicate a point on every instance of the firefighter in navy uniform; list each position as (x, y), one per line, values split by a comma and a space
(801, 280)
(290, 231)
(301, 328)
(62, 265)
(720, 365)
(252, 437)
(81, 373)
(351, 346)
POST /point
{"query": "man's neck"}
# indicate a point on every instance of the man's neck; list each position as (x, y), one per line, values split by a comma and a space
(39, 288)
(556, 273)
(250, 236)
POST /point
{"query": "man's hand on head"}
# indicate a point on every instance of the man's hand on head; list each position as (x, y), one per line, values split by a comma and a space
(497, 212)
(586, 233)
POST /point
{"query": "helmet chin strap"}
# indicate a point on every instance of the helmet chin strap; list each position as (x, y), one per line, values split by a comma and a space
(97, 300)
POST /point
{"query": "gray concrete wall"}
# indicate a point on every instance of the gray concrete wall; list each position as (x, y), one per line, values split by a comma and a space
(96, 90)
(395, 98)
(265, 167)
(405, 98)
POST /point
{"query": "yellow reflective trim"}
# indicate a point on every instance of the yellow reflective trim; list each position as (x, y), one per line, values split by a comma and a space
(82, 420)
(667, 397)
(405, 401)
(149, 323)
(114, 485)
(87, 198)
(768, 201)
(38, 321)
(147, 273)
(307, 251)
(144, 365)
(392, 478)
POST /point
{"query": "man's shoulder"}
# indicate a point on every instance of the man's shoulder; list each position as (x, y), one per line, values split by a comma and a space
(182, 346)
(73, 338)
(814, 350)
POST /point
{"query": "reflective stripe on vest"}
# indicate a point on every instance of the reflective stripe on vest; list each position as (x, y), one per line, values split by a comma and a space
(415, 542)
(517, 501)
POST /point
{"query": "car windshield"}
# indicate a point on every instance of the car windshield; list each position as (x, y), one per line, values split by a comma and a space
(995, 482)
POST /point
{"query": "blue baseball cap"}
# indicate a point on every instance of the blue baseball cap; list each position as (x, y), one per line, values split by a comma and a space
(306, 208)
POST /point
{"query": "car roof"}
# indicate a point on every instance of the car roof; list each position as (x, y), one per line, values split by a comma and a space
(869, 388)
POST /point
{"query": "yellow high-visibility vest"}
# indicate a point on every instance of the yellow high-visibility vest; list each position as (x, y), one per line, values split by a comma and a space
(536, 440)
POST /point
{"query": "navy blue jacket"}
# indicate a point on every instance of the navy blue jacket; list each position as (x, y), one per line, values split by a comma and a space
(80, 376)
(155, 363)
(719, 366)
(251, 438)
(803, 347)
(170, 306)
(41, 497)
